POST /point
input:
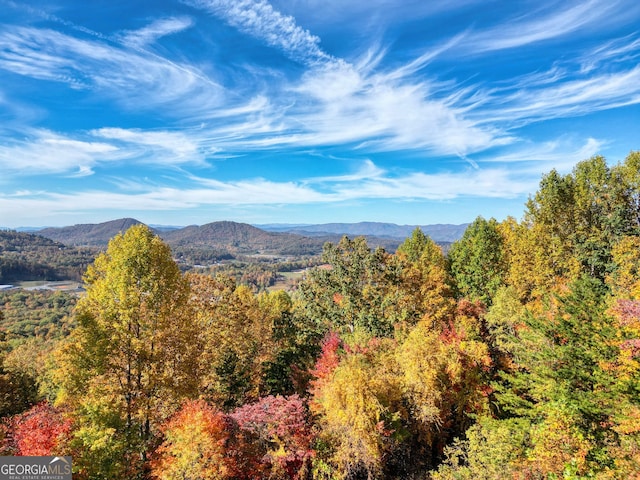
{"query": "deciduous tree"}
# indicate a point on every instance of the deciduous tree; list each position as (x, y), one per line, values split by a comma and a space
(194, 446)
(478, 261)
(281, 426)
(353, 291)
(132, 358)
(41, 431)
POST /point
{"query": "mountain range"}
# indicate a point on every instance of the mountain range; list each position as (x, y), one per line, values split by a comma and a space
(438, 233)
(27, 255)
(233, 238)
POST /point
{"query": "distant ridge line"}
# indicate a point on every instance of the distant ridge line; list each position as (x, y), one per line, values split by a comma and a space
(438, 232)
(238, 237)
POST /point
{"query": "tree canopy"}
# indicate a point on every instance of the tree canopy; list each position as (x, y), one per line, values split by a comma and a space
(515, 355)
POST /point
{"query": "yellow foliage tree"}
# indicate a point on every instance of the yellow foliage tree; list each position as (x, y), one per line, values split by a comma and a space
(443, 376)
(361, 408)
(426, 289)
(133, 357)
(240, 332)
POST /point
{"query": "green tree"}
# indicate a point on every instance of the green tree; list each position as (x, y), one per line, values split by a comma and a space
(478, 261)
(18, 389)
(561, 384)
(414, 247)
(580, 216)
(252, 344)
(492, 450)
(628, 176)
(354, 291)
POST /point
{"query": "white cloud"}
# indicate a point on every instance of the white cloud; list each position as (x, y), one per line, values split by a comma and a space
(83, 171)
(45, 152)
(571, 97)
(157, 29)
(557, 153)
(368, 183)
(621, 50)
(388, 112)
(492, 183)
(158, 147)
(333, 102)
(367, 171)
(535, 28)
(337, 102)
(569, 88)
(259, 19)
(140, 80)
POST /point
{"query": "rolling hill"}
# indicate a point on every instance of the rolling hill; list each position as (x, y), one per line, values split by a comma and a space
(25, 256)
(226, 239)
(222, 237)
(91, 234)
(241, 238)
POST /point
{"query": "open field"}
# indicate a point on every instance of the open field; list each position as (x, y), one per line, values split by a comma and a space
(286, 280)
(60, 286)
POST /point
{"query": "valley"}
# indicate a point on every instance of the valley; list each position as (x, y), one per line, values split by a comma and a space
(259, 257)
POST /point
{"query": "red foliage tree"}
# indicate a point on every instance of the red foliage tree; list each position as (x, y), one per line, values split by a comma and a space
(280, 425)
(42, 430)
(327, 362)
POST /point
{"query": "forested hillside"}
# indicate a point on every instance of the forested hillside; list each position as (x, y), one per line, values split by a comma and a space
(96, 235)
(206, 244)
(24, 256)
(515, 356)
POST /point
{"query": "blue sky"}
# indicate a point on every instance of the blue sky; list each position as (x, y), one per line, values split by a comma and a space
(306, 111)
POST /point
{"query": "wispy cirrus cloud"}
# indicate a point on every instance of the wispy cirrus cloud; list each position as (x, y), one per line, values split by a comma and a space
(155, 30)
(338, 102)
(45, 152)
(569, 88)
(528, 159)
(534, 27)
(618, 51)
(335, 103)
(137, 79)
(42, 151)
(259, 19)
(203, 192)
(155, 147)
(367, 171)
(572, 97)
(360, 104)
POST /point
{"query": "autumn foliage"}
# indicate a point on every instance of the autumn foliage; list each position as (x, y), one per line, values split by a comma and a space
(41, 430)
(516, 355)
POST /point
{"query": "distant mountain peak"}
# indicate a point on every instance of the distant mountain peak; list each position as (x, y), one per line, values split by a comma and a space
(237, 237)
(93, 234)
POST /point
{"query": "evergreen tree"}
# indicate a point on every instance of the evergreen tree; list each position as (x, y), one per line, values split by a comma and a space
(478, 261)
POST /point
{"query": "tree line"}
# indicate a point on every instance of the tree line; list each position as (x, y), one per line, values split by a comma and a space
(516, 355)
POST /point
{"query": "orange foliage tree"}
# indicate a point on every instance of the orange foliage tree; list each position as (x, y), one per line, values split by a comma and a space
(194, 446)
(40, 431)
